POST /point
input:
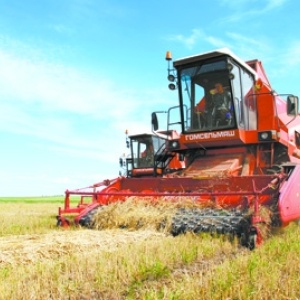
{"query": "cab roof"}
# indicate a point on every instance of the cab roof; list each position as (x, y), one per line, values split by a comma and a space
(212, 54)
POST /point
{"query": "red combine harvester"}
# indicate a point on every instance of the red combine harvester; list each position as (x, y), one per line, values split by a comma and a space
(232, 141)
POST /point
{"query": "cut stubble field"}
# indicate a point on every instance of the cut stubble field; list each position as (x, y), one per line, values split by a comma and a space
(41, 261)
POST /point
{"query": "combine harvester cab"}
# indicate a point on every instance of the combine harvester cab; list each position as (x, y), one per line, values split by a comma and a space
(235, 153)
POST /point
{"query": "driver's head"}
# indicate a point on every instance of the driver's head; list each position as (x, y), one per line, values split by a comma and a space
(219, 88)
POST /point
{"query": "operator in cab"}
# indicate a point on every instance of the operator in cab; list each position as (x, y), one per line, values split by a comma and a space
(216, 111)
(147, 156)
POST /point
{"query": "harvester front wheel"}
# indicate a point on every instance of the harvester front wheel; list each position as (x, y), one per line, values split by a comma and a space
(249, 238)
(62, 223)
(252, 241)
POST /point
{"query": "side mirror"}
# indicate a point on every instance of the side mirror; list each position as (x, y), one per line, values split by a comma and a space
(292, 105)
(154, 121)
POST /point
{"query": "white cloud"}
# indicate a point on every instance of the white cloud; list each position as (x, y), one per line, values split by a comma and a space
(57, 87)
(249, 47)
(69, 113)
(262, 5)
(272, 4)
(233, 40)
(292, 57)
(188, 41)
(245, 9)
(197, 36)
(216, 42)
(28, 86)
(61, 29)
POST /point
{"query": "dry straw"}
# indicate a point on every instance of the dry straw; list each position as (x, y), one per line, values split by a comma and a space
(136, 213)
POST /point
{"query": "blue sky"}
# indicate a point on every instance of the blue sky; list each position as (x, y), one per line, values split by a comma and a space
(75, 74)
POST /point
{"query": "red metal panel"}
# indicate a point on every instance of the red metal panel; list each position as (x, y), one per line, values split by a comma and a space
(289, 202)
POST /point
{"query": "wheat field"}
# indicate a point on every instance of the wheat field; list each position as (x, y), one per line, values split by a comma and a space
(41, 261)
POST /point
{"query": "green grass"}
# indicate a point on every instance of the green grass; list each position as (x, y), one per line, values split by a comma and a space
(47, 199)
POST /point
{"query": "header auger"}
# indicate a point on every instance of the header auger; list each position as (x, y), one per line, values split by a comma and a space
(232, 154)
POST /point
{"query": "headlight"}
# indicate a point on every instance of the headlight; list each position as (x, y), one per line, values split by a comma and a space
(266, 135)
(174, 145)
